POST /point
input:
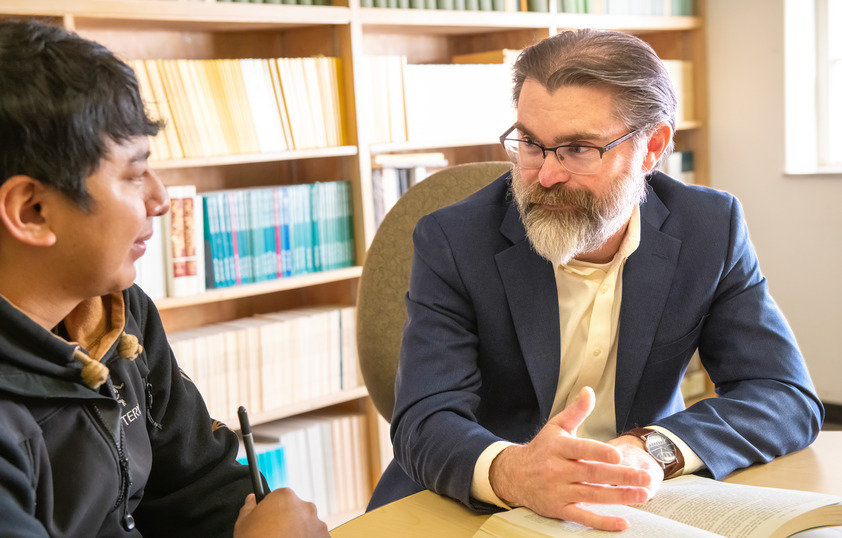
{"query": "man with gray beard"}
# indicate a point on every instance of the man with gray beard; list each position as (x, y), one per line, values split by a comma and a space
(552, 315)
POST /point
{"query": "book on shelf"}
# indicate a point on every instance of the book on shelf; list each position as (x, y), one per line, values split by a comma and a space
(183, 234)
(576, 6)
(679, 165)
(270, 361)
(263, 105)
(264, 233)
(440, 98)
(691, 506)
(225, 107)
(159, 145)
(647, 7)
(393, 174)
(384, 97)
(681, 75)
(321, 455)
(149, 269)
(498, 56)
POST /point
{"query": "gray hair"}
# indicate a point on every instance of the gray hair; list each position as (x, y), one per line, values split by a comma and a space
(643, 93)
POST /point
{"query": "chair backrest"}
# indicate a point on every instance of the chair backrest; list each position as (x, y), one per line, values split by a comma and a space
(381, 311)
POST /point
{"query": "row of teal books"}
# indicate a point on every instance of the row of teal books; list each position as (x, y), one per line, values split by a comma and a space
(253, 235)
(231, 237)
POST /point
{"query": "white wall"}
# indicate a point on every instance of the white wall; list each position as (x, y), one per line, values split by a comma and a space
(795, 222)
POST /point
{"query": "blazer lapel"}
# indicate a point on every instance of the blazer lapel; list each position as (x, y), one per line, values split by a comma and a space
(530, 288)
(647, 275)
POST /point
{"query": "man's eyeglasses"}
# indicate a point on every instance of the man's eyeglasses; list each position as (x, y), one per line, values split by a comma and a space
(575, 158)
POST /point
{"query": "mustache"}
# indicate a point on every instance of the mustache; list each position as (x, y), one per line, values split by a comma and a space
(536, 194)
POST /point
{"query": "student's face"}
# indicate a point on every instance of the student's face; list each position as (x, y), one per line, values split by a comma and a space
(568, 214)
(101, 246)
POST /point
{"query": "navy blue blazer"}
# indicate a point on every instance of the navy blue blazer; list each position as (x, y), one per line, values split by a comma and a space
(480, 353)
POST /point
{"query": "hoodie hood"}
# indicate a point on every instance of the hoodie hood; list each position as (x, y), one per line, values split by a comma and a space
(70, 362)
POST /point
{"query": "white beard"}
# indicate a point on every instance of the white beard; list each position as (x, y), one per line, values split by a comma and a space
(560, 236)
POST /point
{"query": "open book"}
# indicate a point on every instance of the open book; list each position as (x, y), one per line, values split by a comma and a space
(690, 506)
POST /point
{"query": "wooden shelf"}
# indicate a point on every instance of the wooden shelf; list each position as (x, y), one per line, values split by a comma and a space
(222, 160)
(302, 407)
(211, 16)
(260, 288)
(389, 20)
(448, 22)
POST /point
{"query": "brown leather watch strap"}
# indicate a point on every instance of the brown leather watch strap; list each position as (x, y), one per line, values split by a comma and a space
(671, 468)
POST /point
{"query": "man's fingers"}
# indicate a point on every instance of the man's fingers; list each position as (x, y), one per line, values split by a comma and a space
(575, 513)
(598, 494)
(576, 449)
(607, 474)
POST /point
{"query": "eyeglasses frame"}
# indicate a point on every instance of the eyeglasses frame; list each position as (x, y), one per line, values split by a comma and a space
(601, 149)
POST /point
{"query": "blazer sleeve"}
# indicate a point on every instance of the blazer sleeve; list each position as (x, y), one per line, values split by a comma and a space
(766, 404)
(435, 431)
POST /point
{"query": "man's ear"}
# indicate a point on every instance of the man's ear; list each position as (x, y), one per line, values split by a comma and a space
(22, 201)
(657, 145)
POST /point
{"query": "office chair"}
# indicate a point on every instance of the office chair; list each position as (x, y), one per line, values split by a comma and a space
(381, 312)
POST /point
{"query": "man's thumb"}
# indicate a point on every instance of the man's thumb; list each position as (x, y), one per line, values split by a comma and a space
(572, 416)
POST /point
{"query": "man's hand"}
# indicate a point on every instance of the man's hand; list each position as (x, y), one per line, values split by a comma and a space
(635, 455)
(557, 471)
(280, 513)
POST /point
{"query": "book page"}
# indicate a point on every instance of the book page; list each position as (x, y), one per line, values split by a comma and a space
(736, 510)
(690, 506)
(524, 523)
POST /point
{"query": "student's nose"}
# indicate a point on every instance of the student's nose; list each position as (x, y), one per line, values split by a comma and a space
(157, 200)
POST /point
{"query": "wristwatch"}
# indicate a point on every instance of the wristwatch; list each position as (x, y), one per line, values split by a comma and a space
(662, 449)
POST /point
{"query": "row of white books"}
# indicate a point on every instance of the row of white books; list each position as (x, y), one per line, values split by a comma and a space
(270, 361)
(253, 105)
(323, 456)
(436, 103)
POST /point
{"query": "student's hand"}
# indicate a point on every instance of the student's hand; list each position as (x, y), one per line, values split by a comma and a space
(557, 471)
(280, 513)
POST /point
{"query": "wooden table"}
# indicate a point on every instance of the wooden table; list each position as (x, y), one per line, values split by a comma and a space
(816, 468)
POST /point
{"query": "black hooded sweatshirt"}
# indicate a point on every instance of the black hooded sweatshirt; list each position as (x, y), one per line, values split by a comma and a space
(121, 445)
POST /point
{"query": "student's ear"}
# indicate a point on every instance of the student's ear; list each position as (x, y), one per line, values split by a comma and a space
(21, 211)
(657, 145)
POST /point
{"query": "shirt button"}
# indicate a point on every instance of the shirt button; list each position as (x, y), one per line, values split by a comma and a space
(596, 352)
(604, 289)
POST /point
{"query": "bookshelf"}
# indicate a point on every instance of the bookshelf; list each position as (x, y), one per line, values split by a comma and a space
(203, 30)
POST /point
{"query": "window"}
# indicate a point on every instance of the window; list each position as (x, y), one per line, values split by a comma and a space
(813, 86)
(829, 81)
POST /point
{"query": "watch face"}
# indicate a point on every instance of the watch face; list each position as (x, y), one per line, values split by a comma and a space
(660, 447)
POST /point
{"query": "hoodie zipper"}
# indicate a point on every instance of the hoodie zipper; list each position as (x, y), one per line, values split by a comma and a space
(125, 476)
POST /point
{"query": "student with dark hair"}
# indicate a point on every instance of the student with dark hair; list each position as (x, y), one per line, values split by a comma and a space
(100, 432)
